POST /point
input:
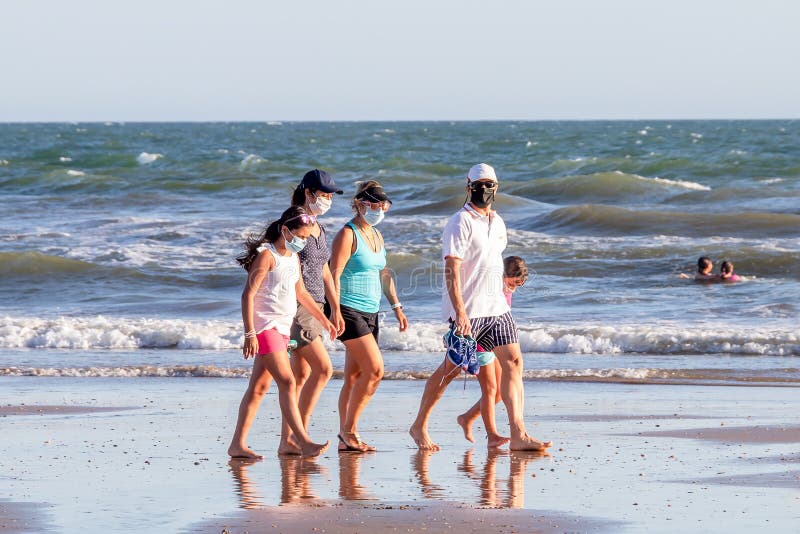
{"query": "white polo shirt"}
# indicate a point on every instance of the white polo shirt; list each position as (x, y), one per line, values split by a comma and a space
(479, 241)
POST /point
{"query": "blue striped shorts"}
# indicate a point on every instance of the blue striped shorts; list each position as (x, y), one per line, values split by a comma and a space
(491, 332)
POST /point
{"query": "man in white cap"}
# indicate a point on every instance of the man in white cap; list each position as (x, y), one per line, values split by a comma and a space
(473, 242)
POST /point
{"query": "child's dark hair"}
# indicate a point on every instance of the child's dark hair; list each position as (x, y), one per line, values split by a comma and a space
(514, 267)
(703, 263)
(291, 218)
(726, 267)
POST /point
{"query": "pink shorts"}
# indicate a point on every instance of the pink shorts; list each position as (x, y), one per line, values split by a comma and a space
(271, 341)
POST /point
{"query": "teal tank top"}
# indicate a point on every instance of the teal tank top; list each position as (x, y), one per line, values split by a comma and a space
(360, 283)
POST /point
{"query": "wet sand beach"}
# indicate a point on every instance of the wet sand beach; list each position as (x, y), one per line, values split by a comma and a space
(626, 458)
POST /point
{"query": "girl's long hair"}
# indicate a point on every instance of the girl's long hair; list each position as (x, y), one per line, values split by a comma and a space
(271, 234)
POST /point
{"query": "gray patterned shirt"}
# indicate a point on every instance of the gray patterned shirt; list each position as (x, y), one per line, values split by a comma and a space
(313, 258)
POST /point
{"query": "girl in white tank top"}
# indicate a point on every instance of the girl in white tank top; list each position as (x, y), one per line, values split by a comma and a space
(269, 302)
(275, 302)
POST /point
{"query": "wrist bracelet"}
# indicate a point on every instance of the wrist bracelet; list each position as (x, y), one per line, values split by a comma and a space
(396, 305)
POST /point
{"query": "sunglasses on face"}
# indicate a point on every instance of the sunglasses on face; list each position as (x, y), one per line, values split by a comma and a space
(477, 186)
(383, 205)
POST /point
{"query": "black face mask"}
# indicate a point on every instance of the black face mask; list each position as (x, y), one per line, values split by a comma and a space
(481, 197)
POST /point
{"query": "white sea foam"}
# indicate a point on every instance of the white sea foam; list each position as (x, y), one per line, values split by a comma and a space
(614, 374)
(671, 183)
(682, 183)
(133, 371)
(212, 371)
(100, 332)
(4, 162)
(75, 173)
(771, 180)
(145, 158)
(250, 161)
(64, 159)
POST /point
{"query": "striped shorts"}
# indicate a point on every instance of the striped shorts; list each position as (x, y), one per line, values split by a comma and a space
(491, 332)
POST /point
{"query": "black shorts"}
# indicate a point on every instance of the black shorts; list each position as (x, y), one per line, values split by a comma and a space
(358, 324)
(305, 328)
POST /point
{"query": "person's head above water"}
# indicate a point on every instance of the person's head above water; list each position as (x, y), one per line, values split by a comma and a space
(726, 269)
(704, 265)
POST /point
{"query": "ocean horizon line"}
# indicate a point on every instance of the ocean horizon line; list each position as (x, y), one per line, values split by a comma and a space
(395, 121)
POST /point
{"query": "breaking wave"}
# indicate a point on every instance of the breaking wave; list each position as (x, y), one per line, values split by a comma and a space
(100, 332)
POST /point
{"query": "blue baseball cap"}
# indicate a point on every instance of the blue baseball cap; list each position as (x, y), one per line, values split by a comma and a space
(319, 180)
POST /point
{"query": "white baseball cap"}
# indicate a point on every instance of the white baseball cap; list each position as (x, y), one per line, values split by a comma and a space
(482, 171)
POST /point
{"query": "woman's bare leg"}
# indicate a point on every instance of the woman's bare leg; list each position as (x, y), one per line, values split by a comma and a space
(367, 358)
(256, 389)
(351, 373)
(315, 359)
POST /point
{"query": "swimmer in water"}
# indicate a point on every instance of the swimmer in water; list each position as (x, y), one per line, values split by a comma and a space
(726, 273)
(704, 270)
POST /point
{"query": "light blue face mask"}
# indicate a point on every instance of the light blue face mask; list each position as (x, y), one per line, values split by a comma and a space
(373, 217)
(296, 244)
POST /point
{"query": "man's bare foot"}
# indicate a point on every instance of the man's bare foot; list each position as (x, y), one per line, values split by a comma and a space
(311, 450)
(244, 453)
(422, 439)
(527, 443)
(466, 424)
(496, 440)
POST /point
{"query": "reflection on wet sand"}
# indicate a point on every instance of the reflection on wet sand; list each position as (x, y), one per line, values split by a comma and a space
(296, 474)
(295, 481)
(513, 496)
(349, 487)
(246, 490)
(419, 462)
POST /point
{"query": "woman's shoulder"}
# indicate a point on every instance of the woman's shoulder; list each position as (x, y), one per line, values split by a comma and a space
(347, 230)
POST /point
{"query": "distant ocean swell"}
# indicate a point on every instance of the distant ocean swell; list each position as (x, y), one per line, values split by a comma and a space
(613, 220)
(784, 376)
(122, 333)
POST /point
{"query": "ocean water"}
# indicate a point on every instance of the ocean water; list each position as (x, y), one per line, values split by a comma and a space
(117, 241)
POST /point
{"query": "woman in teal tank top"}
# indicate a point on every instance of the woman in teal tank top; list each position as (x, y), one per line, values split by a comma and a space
(360, 274)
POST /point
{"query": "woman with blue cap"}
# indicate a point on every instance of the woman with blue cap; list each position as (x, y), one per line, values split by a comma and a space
(311, 363)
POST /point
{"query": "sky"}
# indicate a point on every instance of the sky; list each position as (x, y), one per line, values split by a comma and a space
(175, 60)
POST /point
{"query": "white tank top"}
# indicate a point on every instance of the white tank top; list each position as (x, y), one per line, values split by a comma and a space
(275, 304)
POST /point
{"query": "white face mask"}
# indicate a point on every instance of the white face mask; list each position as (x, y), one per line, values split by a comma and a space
(373, 217)
(320, 205)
